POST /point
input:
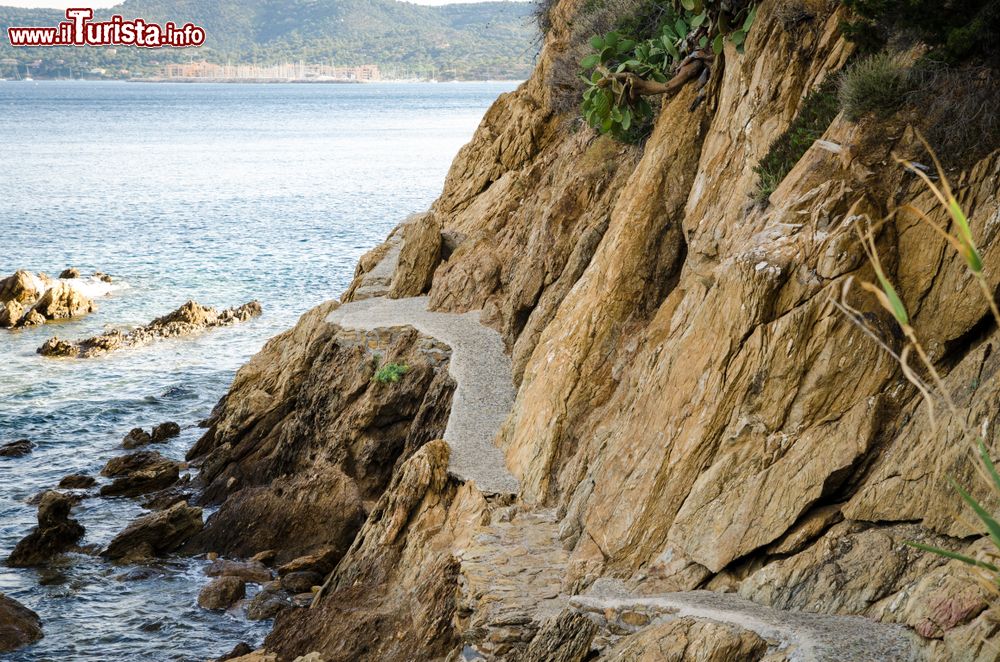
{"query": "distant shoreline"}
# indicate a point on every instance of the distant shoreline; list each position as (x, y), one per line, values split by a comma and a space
(254, 81)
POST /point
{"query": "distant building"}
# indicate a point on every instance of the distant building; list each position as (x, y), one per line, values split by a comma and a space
(286, 72)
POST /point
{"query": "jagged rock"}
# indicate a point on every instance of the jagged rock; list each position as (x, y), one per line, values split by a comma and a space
(23, 287)
(155, 534)
(139, 473)
(136, 437)
(268, 603)
(222, 593)
(299, 502)
(563, 639)
(690, 640)
(11, 313)
(187, 320)
(301, 581)
(248, 571)
(321, 562)
(55, 533)
(71, 272)
(62, 301)
(165, 431)
(418, 257)
(55, 347)
(18, 448)
(77, 482)
(19, 626)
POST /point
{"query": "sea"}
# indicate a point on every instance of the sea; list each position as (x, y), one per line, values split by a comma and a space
(218, 193)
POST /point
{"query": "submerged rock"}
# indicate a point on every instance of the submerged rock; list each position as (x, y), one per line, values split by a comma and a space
(222, 593)
(189, 319)
(139, 473)
(18, 448)
(165, 431)
(155, 534)
(135, 438)
(19, 626)
(55, 533)
(77, 482)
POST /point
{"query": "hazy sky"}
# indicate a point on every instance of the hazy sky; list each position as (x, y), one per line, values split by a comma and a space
(62, 4)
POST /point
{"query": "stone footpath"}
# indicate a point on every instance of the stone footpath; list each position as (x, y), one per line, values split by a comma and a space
(481, 369)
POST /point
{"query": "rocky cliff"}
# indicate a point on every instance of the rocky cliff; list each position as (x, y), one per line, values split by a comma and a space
(692, 410)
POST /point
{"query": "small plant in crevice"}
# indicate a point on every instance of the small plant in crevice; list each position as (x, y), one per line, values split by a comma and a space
(390, 373)
(818, 110)
(878, 83)
(924, 375)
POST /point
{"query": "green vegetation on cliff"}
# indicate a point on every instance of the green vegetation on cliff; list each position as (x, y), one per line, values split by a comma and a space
(463, 41)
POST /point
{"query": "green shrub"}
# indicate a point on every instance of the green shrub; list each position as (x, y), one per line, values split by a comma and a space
(878, 83)
(818, 110)
(610, 103)
(390, 373)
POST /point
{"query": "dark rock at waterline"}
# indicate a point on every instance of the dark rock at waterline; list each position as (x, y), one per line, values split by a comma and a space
(321, 562)
(249, 571)
(103, 277)
(55, 533)
(77, 482)
(301, 582)
(18, 448)
(36, 499)
(72, 272)
(139, 473)
(239, 650)
(182, 490)
(135, 438)
(222, 593)
(19, 626)
(268, 603)
(165, 431)
(155, 534)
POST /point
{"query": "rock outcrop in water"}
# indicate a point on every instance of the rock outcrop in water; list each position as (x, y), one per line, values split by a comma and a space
(28, 299)
(139, 473)
(56, 533)
(18, 448)
(696, 425)
(188, 320)
(19, 626)
(155, 534)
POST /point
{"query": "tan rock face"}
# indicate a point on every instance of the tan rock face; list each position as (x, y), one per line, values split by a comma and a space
(418, 257)
(307, 437)
(63, 301)
(22, 287)
(687, 640)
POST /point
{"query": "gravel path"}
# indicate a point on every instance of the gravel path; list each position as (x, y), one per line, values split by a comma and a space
(480, 367)
(810, 637)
